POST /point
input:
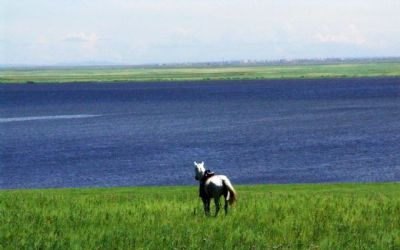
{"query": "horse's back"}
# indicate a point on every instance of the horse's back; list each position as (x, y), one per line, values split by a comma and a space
(217, 180)
(215, 185)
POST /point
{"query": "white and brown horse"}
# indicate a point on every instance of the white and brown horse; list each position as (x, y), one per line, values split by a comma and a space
(214, 187)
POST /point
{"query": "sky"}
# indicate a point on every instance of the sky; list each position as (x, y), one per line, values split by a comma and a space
(52, 32)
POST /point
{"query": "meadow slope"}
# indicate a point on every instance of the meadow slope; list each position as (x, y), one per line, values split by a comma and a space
(314, 216)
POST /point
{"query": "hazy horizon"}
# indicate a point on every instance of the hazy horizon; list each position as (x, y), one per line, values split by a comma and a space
(140, 32)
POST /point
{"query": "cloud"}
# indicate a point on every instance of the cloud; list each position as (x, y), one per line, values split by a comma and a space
(351, 35)
(81, 37)
(42, 40)
(87, 41)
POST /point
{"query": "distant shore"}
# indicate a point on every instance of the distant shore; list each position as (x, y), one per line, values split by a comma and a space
(109, 74)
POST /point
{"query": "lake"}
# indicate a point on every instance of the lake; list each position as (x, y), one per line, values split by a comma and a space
(135, 134)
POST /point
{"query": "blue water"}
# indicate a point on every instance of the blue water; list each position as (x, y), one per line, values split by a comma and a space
(124, 134)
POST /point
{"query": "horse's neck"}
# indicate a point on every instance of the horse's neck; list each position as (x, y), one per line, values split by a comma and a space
(202, 172)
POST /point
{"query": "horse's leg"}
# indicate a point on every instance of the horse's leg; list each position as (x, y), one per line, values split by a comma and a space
(206, 203)
(226, 204)
(208, 207)
(216, 200)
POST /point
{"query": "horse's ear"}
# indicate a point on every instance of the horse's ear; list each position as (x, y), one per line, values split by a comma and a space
(202, 163)
(195, 163)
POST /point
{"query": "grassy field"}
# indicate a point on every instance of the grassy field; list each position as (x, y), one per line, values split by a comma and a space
(125, 74)
(328, 216)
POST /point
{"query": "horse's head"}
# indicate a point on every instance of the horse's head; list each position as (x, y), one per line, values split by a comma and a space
(199, 170)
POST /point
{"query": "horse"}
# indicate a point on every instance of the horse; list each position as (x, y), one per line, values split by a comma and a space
(214, 187)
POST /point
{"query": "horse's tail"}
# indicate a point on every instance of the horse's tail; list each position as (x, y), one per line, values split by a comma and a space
(232, 195)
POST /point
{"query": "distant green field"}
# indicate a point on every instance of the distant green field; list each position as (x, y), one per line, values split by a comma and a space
(319, 216)
(132, 74)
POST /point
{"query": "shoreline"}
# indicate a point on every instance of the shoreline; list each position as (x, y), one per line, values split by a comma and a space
(327, 185)
(221, 81)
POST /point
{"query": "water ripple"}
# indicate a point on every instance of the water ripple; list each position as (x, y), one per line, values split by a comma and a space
(51, 117)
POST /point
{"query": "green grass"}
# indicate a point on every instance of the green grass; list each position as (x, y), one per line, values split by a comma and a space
(326, 216)
(132, 74)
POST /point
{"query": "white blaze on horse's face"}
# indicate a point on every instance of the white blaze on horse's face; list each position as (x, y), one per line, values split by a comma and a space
(199, 170)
